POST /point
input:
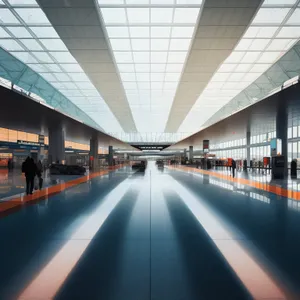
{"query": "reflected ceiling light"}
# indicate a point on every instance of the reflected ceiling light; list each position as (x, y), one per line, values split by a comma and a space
(53, 275)
(260, 284)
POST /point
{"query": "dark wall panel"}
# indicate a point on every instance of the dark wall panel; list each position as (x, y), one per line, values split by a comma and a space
(19, 112)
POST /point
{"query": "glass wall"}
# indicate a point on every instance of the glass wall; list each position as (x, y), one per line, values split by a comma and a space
(230, 149)
(293, 135)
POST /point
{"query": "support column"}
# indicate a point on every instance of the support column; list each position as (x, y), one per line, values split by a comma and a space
(94, 145)
(56, 152)
(191, 153)
(281, 129)
(110, 156)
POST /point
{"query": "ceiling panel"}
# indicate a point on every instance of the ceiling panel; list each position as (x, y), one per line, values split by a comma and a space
(26, 32)
(146, 65)
(150, 41)
(79, 27)
(221, 25)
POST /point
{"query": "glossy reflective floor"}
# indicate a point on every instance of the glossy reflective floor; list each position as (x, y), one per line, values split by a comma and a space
(13, 182)
(162, 234)
(263, 176)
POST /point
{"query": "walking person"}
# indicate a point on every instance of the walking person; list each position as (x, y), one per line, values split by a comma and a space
(39, 171)
(233, 167)
(29, 168)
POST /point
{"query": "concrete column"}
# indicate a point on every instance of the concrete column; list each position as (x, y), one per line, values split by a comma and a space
(56, 152)
(184, 154)
(281, 129)
(110, 156)
(191, 153)
(94, 145)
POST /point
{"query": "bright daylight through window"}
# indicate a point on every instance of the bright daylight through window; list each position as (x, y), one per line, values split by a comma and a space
(149, 43)
(27, 34)
(273, 31)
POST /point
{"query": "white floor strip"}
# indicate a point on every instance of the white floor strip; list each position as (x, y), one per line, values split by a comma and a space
(255, 278)
(52, 276)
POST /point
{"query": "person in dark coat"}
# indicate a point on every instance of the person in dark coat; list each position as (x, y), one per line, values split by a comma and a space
(29, 168)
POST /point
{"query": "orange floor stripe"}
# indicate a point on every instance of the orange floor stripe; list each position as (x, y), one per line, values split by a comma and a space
(258, 185)
(18, 202)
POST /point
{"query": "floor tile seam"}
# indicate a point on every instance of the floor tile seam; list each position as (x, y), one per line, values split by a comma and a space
(291, 194)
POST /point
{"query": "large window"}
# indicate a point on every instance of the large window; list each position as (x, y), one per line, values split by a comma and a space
(295, 131)
(290, 133)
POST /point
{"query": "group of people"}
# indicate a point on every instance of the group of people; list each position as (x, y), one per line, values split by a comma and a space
(32, 169)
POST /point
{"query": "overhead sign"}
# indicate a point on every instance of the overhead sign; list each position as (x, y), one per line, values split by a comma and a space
(20, 142)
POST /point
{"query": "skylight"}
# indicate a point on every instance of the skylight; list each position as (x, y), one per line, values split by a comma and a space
(274, 30)
(28, 35)
(150, 40)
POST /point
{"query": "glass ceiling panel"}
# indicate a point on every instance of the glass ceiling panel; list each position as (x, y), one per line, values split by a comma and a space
(20, 74)
(4, 34)
(44, 32)
(150, 42)
(7, 17)
(270, 16)
(267, 39)
(32, 16)
(279, 2)
(19, 32)
(22, 2)
(285, 68)
(27, 34)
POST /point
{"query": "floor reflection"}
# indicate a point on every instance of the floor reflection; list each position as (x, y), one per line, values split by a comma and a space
(12, 183)
(156, 234)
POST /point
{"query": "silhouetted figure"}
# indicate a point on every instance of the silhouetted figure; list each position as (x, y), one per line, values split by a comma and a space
(29, 168)
(233, 167)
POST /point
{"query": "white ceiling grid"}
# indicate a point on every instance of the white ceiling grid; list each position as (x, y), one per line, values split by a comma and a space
(26, 33)
(221, 26)
(159, 65)
(273, 31)
(150, 41)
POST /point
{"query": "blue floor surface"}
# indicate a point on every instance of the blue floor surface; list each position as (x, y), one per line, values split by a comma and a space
(13, 183)
(157, 235)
